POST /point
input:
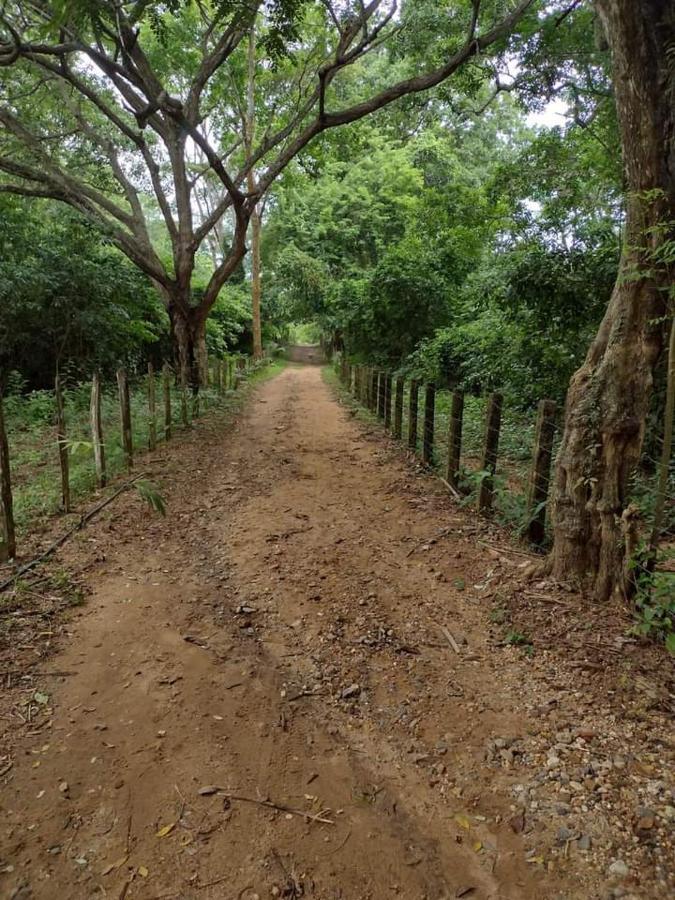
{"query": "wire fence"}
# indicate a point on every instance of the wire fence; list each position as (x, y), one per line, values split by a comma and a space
(489, 453)
(57, 446)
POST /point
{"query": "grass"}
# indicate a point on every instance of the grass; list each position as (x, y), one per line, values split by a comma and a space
(31, 432)
(515, 445)
(514, 460)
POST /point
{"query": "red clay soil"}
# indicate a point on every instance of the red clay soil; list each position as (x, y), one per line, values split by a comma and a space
(290, 687)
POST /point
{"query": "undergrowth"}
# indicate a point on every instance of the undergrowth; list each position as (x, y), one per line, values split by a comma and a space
(31, 431)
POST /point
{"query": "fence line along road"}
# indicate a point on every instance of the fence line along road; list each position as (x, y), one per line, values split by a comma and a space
(223, 375)
(385, 397)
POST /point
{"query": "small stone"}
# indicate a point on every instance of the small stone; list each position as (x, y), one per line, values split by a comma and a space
(564, 835)
(352, 691)
(618, 869)
(646, 820)
(64, 787)
(584, 842)
(553, 762)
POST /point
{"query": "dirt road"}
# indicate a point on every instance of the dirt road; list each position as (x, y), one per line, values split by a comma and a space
(261, 700)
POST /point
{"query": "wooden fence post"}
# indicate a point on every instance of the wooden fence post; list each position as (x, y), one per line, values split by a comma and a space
(125, 417)
(219, 375)
(62, 446)
(372, 389)
(491, 445)
(380, 394)
(429, 420)
(152, 423)
(183, 400)
(7, 530)
(413, 406)
(455, 438)
(166, 389)
(387, 401)
(541, 471)
(398, 408)
(97, 431)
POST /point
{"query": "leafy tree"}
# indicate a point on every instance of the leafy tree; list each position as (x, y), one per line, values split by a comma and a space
(103, 104)
(67, 298)
(609, 395)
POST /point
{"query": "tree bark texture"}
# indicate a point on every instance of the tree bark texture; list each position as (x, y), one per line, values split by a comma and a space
(608, 398)
(256, 284)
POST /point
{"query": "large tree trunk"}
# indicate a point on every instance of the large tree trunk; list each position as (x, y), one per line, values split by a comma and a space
(188, 330)
(609, 395)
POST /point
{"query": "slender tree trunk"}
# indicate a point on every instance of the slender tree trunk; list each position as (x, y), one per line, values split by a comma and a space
(609, 395)
(256, 221)
(256, 286)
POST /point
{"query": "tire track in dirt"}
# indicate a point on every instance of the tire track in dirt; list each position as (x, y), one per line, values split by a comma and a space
(286, 564)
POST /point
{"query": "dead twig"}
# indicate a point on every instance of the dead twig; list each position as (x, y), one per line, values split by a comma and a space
(431, 540)
(503, 549)
(280, 807)
(36, 674)
(455, 493)
(449, 638)
(84, 519)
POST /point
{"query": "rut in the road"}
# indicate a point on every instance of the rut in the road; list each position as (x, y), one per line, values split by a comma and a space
(276, 639)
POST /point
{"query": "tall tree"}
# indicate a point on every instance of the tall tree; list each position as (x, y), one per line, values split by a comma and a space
(608, 397)
(256, 216)
(102, 103)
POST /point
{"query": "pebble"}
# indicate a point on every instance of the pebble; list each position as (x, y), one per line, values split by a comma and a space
(564, 835)
(584, 842)
(352, 691)
(618, 869)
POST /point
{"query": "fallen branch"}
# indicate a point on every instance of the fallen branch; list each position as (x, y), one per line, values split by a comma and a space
(455, 493)
(87, 517)
(502, 549)
(449, 638)
(431, 540)
(36, 674)
(280, 807)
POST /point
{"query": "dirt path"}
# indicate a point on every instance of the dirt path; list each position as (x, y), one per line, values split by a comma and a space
(278, 638)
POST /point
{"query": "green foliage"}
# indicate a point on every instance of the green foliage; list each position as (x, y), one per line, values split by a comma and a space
(654, 595)
(68, 300)
(515, 638)
(150, 493)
